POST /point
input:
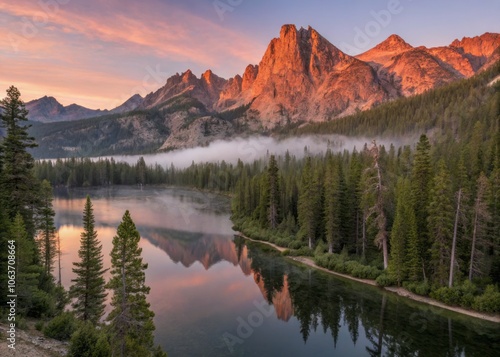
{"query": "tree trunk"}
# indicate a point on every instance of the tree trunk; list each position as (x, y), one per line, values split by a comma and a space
(473, 248)
(454, 244)
(363, 242)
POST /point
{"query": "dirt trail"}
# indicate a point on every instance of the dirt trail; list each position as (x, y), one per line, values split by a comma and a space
(31, 343)
(400, 291)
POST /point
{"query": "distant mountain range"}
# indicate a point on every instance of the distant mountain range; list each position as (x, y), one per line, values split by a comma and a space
(302, 77)
(48, 109)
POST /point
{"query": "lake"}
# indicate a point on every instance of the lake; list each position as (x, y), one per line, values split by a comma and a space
(216, 295)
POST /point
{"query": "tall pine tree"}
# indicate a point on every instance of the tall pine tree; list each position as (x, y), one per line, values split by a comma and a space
(333, 203)
(440, 219)
(88, 287)
(274, 193)
(47, 231)
(131, 320)
(403, 236)
(421, 179)
(18, 185)
(308, 207)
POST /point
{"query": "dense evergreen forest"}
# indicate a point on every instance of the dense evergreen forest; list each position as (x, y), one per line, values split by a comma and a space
(424, 216)
(29, 245)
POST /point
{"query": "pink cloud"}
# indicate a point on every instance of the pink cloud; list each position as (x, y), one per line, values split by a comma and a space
(84, 51)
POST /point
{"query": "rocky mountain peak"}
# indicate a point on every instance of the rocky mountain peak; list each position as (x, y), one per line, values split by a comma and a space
(249, 77)
(188, 77)
(394, 43)
(384, 52)
(483, 45)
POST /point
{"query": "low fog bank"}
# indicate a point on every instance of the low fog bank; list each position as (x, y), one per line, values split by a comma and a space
(250, 149)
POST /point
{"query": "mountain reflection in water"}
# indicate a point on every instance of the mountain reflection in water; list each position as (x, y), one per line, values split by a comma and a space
(211, 280)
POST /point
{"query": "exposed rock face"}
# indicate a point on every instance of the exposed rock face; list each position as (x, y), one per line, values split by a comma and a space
(415, 71)
(384, 52)
(478, 49)
(206, 89)
(302, 76)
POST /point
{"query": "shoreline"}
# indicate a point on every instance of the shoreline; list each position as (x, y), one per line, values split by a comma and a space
(392, 289)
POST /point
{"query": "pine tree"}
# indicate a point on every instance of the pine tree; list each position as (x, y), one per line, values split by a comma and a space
(274, 193)
(421, 179)
(374, 187)
(27, 273)
(481, 217)
(308, 202)
(404, 231)
(88, 287)
(47, 230)
(333, 203)
(131, 320)
(440, 220)
(18, 185)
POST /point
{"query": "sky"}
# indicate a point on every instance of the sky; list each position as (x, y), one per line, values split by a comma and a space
(98, 53)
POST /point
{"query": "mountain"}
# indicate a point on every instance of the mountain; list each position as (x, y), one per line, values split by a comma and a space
(130, 104)
(48, 109)
(301, 77)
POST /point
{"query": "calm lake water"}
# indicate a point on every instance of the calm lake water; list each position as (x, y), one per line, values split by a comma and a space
(216, 295)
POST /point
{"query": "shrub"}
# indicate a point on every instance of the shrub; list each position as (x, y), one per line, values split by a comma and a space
(384, 280)
(303, 251)
(88, 342)
(61, 327)
(489, 301)
(39, 325)
(450, 296)
(42, 304)
(321, 260)
(419, 288)
(468, 291)
(282, 242)
(22, 324)
(320, 248)
(295, 244)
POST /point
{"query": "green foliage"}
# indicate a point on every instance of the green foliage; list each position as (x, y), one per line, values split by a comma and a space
(39, 325)
(131, 320)
(302, 251)
(22, 323)
(61, 327)
(18, 186)
(489, 301)
(463, 295)
(450, 296)
(420, 288)
(87, 341)
(88, 287)
(440, 222)
(384, 280)
(47, 231)
(42, 304)
(340, 264)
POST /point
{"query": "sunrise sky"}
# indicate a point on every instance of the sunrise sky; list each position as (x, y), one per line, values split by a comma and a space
(99, 53)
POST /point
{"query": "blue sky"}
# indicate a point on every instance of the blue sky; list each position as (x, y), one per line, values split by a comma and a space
(99, 53)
